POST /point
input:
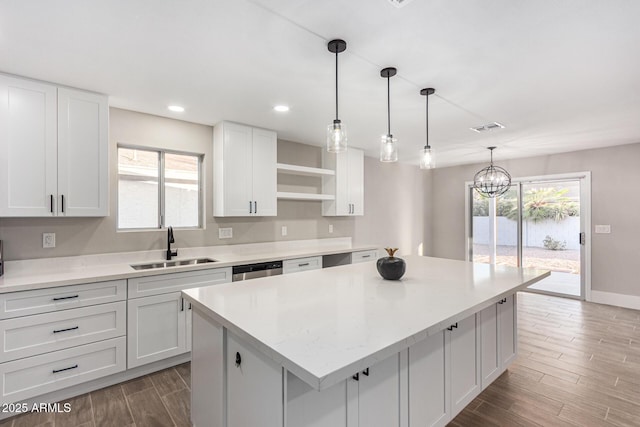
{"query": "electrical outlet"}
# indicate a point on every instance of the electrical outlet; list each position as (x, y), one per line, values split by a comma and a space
(330, 228)
(48, 240)
(284, 230)
(225, 233)
(603, 229)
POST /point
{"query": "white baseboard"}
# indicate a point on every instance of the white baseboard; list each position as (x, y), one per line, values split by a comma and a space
(620, 300)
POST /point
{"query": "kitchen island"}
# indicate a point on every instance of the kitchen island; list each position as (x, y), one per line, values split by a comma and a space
(343, 347)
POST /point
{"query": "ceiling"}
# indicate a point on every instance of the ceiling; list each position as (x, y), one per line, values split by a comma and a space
(560, 75)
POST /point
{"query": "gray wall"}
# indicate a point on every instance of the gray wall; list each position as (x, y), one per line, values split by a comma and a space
(614, 201)
(389, 189)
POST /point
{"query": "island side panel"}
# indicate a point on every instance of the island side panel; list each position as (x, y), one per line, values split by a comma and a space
(207, 373)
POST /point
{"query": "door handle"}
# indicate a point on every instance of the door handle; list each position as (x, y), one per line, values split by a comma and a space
(181, 304)
(51, 203)
(250, 207)
(582, 238)
(255, 207)
(356, 377)
(238, 359)
(62, 202)
(366, 372)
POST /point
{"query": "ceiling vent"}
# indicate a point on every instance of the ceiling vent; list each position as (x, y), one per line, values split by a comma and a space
(488, 127)
(399, 3)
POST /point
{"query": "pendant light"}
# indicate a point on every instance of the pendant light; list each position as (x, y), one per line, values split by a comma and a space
(492, 181)
(389, 145)
(426, 154)
(336, 131)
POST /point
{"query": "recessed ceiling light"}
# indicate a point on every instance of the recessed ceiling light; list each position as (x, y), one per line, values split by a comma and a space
(281, 108)
(176, 108)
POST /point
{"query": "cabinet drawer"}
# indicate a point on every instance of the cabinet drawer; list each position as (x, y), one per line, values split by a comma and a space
(174, 282)
(33, 376)
(363, 256)
(32, 335)
(39, 301)
(301, 264)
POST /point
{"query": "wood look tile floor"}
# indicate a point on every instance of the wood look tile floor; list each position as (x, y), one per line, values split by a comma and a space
(578, 365)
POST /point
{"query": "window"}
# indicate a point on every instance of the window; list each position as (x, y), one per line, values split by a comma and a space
(158, 188)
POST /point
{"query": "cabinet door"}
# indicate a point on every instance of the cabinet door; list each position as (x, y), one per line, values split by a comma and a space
(188, 323)
(379, 394)
(265, 184)
(156, 328)
(508, 318)
(311, 408)
(489, 339)
(28, 148)
(233, 188)
(429, 404)
(83, 151)
(254, 387)
(355, 173)
(465, 366)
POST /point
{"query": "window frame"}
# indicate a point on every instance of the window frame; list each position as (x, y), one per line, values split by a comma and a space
(161, 187)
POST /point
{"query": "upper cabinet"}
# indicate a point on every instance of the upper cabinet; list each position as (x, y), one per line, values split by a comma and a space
(347, 184)
(53, 150)
(245, 174)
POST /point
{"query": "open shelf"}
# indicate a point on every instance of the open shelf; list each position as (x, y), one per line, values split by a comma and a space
(285, 195)
(304, 170)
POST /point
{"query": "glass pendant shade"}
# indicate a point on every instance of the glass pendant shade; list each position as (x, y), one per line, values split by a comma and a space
(336, 131)
(336, 137)
(426, 158)
(389, 149)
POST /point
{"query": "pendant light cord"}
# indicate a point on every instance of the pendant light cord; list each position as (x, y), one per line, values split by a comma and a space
(337, 85)
(427, 121)
(388, 107)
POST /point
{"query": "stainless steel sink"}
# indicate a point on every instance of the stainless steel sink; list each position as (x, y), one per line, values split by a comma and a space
(176, 263)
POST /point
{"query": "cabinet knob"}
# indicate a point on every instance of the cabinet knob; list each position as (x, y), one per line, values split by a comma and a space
(238, 359)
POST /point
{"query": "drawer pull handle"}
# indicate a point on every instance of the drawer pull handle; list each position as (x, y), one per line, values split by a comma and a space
(62, 298)
(452, 327)
(55, 371)
(304, 264)
(57, 331)
(366, 256)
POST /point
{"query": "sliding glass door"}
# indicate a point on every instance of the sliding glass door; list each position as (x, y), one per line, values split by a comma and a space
(538, 223)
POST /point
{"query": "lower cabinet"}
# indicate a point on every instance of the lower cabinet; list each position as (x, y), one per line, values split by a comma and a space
(429, 405)
(252, 378)
(444, 373)
(157, 328)
(158, 318)
(498, 330)
(371, 398)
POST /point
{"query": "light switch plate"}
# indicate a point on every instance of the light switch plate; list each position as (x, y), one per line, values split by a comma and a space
(48, 240)
(225, 233)
(603, 229)
(284, 230)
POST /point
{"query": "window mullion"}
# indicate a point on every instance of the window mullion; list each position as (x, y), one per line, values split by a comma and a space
(161, 195)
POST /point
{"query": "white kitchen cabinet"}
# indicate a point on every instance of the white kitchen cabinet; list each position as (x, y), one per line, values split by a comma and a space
(347, 184)
(444, 373)
(498, 328)
(53, 150)
(429, 404)
(364, 256)
(251, 377)
(83, 153)
(301, 264)
(371, 398)
(156, 328)
(245, 173)
(379, 394)
(465, 361)
(159, 319)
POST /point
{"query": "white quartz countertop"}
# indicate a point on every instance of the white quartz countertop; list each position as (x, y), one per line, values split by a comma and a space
(50, 272)
(326, 325)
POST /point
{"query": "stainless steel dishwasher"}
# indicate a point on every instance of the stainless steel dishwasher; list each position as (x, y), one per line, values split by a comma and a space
(253, 271)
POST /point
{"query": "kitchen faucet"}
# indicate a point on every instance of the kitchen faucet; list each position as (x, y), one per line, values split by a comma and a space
(170, 240)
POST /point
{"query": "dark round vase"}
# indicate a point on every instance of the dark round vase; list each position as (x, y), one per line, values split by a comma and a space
(391, 268)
